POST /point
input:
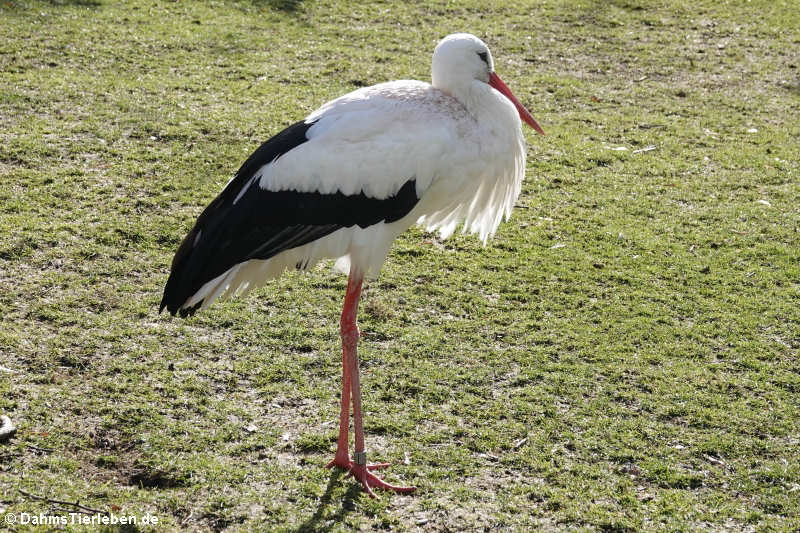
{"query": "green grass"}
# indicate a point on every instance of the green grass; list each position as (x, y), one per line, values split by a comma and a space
(622, 357)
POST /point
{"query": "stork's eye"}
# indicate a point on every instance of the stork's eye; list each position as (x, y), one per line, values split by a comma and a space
(484, 57)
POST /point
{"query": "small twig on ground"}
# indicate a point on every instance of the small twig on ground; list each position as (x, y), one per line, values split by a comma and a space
(62, 502)
(186, 520)
(649, 148)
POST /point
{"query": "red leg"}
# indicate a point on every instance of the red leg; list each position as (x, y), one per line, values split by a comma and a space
(358, 468)
(349, 332)
(342, 458)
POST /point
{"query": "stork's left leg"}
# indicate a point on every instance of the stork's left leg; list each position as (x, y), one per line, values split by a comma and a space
(342, 457)
(358, 468)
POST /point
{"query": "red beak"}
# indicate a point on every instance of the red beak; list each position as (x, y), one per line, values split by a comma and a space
(524, 114)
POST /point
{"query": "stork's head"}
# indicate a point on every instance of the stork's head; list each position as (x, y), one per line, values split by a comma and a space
(460, 59)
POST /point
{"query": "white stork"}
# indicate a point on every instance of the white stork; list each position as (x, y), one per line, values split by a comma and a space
(347, 180)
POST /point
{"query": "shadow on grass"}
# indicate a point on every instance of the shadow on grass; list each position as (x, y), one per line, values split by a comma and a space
(287, 6)
(79, 3)
(25, 6)
(331, 521)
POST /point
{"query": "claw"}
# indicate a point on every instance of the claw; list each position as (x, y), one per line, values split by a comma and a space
(368, 480)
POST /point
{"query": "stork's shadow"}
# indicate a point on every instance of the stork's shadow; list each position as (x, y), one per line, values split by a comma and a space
(322, 521)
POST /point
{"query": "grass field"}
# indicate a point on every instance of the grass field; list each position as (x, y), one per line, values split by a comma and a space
(622, 357)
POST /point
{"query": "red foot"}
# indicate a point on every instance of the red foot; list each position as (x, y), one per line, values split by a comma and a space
(363, 474)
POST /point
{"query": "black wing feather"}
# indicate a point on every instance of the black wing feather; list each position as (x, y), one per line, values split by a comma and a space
(263, 223)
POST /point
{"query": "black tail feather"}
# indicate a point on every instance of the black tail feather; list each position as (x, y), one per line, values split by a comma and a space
(198, 261)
